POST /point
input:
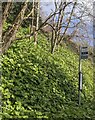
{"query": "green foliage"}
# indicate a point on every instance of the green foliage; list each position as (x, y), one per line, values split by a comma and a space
(37, 84)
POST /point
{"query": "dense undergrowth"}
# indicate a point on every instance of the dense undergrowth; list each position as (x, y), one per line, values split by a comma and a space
(38, 84)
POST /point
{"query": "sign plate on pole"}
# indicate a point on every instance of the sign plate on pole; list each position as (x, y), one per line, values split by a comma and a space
(84, 52)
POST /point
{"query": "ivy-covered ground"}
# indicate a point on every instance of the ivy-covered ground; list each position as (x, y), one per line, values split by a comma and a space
(38, 84)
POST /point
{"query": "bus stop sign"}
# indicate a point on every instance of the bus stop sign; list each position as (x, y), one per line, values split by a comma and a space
(84, 52)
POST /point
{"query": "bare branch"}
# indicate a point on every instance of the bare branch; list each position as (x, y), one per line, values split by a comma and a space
(6, 11)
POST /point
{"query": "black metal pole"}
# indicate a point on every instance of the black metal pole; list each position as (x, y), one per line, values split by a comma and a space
(79, 90)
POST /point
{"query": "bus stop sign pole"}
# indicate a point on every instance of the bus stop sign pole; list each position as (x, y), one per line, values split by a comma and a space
(83, 54)
(80, 78)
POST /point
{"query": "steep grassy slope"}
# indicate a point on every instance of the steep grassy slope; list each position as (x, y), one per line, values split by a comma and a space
(38, 84)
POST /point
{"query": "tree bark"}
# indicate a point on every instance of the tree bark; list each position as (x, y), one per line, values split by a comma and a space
(32, 24)
(6, 11)
(9, 37)
(37, 23)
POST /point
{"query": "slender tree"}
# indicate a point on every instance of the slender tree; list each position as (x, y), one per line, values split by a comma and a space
(6, 11)
(37, 23)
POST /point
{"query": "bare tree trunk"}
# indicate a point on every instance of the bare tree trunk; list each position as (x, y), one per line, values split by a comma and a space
(37, 23)
(31, 16)
(57, 34)
(9, 37)
(58, 26)
(32, 24)
(67, 23)
(6, 11)
(53, 36)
